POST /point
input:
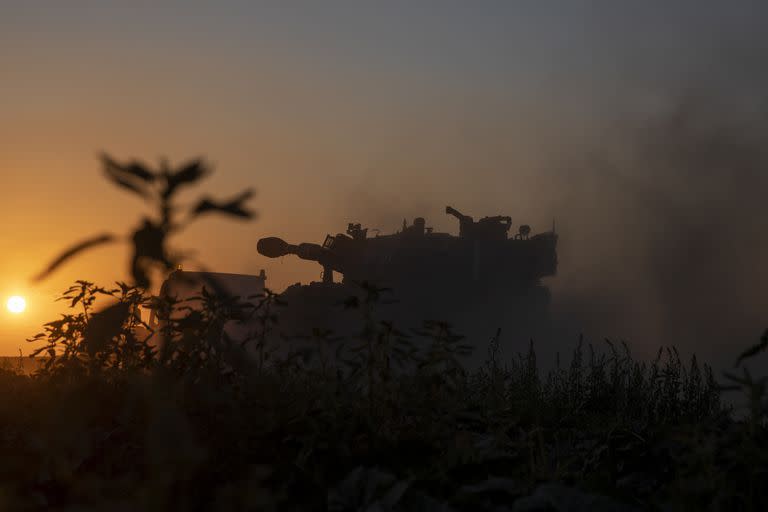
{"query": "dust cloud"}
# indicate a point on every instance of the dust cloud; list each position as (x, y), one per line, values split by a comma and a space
(663, 228)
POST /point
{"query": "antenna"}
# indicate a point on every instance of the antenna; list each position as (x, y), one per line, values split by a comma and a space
(553, 225)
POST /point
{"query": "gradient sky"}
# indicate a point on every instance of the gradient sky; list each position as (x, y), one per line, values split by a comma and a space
(334, 112)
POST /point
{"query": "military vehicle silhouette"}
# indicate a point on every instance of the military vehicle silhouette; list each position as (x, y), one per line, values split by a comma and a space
(480, 279)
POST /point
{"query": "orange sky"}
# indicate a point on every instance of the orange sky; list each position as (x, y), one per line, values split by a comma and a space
(323, 141)
(334, 114)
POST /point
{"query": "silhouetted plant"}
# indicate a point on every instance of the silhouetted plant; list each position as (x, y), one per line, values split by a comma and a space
(379, 343)
(89, 341)
(158, 188)
(266, 314)
(94, 338)
(444, 351)
(755, 390)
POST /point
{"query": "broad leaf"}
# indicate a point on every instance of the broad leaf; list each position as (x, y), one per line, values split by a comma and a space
(133, 177)
(755, 349)
(133, 168)
(234, 207)
(69, 253)
(187, 174)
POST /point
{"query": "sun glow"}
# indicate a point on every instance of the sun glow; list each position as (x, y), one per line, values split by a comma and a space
(16, 304)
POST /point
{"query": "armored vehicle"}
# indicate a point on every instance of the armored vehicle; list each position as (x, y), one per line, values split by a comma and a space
(479, 280)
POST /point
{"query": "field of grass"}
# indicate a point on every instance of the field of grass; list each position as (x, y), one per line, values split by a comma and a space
(208, 424)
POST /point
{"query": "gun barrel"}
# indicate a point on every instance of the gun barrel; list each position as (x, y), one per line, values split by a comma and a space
(273, 247)
(311, 252)
(450, 210)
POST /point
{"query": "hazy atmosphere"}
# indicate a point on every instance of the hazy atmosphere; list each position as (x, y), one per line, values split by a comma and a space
(567, 198)
(639, 128)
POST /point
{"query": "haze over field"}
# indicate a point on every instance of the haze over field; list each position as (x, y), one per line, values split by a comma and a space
(640, 127)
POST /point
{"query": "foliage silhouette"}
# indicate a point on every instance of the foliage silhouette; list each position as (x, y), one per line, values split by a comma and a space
(158, 188)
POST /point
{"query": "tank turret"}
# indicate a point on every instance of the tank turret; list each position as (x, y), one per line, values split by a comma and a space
(487, 228)
(417, 255)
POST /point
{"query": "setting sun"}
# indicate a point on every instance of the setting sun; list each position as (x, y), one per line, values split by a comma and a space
(16, 304)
